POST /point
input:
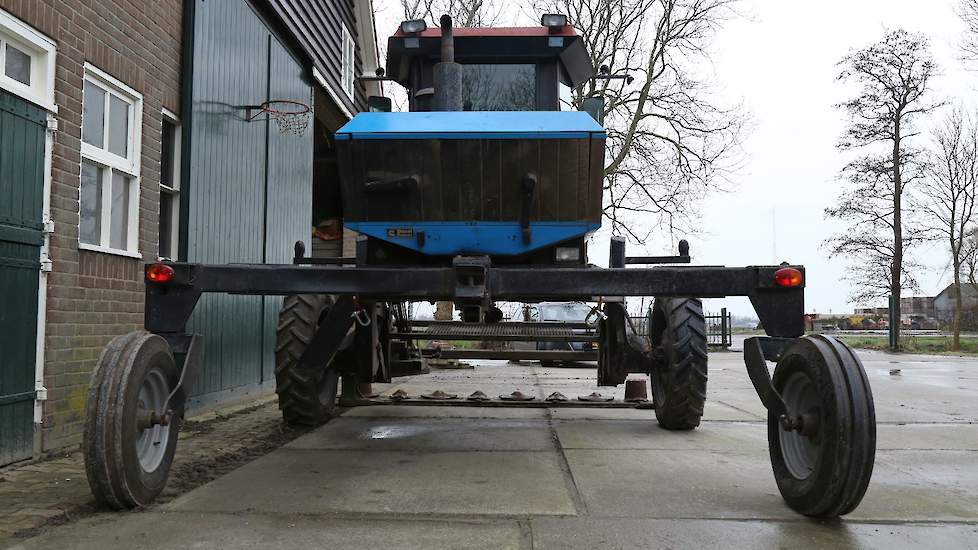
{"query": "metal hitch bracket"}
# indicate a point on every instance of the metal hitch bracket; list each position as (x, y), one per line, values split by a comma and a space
(757, 352)
(471, 293)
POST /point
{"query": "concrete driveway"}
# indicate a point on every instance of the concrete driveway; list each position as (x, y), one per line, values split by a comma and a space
(458, 477)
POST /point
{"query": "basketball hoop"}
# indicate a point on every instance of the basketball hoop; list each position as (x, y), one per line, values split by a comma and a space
(292, 117)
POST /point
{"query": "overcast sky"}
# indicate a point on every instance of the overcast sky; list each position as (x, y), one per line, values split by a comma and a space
(781, 62)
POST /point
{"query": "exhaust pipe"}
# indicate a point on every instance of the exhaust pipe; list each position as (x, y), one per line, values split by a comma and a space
(448, 73)
(447, 40)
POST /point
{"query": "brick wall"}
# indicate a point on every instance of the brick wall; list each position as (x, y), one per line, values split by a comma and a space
(93, 297)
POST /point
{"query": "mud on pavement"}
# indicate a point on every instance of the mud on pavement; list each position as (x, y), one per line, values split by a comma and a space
(42, 494)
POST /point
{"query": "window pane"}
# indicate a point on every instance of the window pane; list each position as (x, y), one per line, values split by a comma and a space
(167, 154)
(18, 65)
(167, 205)
(90, 226)
(118, 126)
(119, 228)
(487, 87)
(93, 115)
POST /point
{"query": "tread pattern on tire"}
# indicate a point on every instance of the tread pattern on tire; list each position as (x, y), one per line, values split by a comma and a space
(103, 438)
(838, 489)
(681, 374)
(299, 389)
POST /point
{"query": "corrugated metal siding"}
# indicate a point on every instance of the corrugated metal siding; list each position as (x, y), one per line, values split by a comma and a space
(316, 25)
(226, 184)
(22, 133)
(289, 188)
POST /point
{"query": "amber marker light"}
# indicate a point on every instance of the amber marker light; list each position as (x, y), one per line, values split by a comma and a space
(788, 277)
(159, 273)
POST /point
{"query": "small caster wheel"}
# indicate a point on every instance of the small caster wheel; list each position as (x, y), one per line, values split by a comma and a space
(822, 450)
(130, 435)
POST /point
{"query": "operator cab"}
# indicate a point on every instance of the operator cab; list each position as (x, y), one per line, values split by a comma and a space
(503, 69)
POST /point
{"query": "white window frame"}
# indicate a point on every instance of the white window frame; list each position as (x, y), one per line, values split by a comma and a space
(348, 63)
(171, 118)
(111, 163)
(41, 50)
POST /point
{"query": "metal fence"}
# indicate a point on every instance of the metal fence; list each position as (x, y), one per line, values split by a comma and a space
(717, 328)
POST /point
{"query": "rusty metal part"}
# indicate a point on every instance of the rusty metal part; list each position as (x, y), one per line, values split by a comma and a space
(400, 395)
(439, 395)
(646, 405)
(517, 396)
(557, 397)
(148, 419)
(478, 395)
(594, 397)
(636, 391)
(805, 424)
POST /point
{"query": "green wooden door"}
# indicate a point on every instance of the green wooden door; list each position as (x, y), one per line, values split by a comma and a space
(22, 133)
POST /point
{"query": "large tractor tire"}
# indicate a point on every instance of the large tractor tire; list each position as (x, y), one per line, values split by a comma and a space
(677, 330)
(307, 397)
(130, 435)
(823, 449)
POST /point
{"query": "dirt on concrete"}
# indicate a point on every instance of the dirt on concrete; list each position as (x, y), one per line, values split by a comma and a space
(43, 494)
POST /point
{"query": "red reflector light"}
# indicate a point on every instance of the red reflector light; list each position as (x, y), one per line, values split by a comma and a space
(159, 273)
(787, 277)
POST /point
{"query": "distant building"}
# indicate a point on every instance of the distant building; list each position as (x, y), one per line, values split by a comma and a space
(944, 303)
(918, 305)
(922, 306)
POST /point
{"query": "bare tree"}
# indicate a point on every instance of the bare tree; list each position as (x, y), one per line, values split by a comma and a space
(969, 258)
(867, 207)
(893, 76)
(669, 139)
(948, 193)
(465, 13)
(968, 12)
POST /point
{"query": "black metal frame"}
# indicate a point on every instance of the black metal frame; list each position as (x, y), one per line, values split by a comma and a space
(474, 283)
(169, 305)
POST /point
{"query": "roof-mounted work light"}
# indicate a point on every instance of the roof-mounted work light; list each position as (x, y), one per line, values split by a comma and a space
(553, 20)
(413, 26)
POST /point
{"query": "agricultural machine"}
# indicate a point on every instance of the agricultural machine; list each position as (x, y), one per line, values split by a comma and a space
(486, 191)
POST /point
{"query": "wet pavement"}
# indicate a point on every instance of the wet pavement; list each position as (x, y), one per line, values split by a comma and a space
(464, 477)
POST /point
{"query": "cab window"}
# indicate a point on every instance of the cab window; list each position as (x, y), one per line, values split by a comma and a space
(499, 87)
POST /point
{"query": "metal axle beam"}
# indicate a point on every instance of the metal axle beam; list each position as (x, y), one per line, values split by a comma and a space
(514, 355)
(169, 305)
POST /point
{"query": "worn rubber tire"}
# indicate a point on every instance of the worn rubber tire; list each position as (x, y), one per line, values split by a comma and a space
(847, 428)
(112, 466)
(677, 330)
(307, 397)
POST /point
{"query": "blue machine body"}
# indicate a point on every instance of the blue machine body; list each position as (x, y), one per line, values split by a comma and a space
(479, 235)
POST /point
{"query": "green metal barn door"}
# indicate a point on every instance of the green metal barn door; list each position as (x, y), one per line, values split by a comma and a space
(249, 189)
(22, 133)
(288, 189)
